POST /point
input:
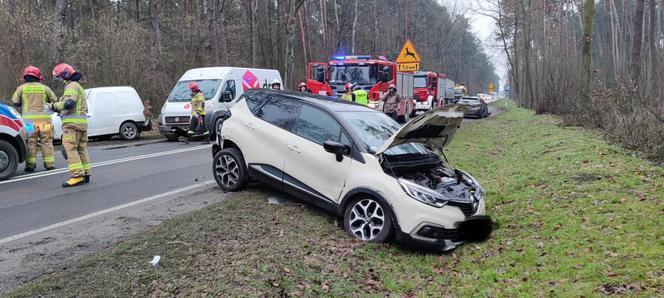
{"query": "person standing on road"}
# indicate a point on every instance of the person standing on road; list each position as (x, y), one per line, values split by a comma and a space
(349, 95)
(73, 109)
(361, 95)
(391, 101)
(34, 98)
(302, 87)
(197, 122)
(276, 85)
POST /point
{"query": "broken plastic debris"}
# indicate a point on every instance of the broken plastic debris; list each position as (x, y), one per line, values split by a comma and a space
(274, 201)
(155, 261)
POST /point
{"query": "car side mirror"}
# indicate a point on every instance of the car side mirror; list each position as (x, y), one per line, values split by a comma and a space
(336, 148)
(225, 97)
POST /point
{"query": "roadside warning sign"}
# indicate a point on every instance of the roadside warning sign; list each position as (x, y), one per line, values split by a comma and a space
(408, 53)
(408, 59)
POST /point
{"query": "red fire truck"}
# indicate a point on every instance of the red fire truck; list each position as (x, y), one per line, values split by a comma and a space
(373, 74)
(432, 89)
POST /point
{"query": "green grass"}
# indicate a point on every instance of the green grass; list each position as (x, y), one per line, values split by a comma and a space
(578, 217)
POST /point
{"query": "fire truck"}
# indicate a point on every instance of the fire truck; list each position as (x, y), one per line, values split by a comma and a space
(373, 74)
(432, 90)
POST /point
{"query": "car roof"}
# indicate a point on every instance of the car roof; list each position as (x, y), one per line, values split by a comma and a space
(328, 103)
(112, 88)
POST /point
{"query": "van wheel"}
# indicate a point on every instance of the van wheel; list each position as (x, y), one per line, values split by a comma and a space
(8, 160)
(229, 169)
(129, 131)
(368, 219)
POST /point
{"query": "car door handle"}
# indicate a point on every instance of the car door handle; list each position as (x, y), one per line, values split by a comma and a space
(251, 125)
(294, 148)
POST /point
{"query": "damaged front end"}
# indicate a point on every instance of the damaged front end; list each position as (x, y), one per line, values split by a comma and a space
(426, 178)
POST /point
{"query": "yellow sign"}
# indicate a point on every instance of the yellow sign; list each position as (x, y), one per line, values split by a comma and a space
(491, 87)
(405, 67)
(408, 53)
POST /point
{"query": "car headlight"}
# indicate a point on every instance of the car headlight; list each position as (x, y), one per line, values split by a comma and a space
(423, 194)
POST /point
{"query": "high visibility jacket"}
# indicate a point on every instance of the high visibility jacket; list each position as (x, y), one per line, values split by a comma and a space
(76, 116)
(361, 97)
(198, 104)
(34, 99)
(348, 96)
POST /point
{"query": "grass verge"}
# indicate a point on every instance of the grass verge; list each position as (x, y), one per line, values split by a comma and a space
(577, 216)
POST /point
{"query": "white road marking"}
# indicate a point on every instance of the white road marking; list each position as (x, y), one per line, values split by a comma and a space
(103, 163)
(105, 211)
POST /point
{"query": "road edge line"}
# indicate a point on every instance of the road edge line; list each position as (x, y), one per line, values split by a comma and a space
(102, 212)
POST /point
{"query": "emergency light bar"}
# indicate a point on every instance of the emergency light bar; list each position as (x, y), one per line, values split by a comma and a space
(352, 57)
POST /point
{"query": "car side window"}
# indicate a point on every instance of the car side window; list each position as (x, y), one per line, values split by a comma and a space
(230, 87)
(253, 101)
(318, 127)
(280, 112)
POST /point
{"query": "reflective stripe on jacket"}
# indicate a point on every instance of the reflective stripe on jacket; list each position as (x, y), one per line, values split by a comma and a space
(75, 117)
(34, 98)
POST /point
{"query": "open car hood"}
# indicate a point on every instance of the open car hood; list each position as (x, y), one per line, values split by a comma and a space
(435, 128)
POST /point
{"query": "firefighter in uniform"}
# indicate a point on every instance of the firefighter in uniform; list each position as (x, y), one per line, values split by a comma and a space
(361, 96)
(197, 121)
(34, 99)
(73, 109)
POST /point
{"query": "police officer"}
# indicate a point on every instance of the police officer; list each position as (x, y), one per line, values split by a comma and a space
(73, 110)
(361, 96)
(197, 121)
(34, 98)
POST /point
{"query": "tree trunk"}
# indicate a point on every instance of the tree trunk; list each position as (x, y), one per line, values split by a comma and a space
(12, 7)
(222, 32)
(290, 42)
(303, 36)
(586, 52)
(209, 30)
(636, 44)
(354, 29)
(59, 24)
(154, 34)
(323, 22)
(652, 35)
(137, 6)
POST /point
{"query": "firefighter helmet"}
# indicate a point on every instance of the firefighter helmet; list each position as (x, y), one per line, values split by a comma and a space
(33, 71)
(193, 86)
(64, 71)
(392, 86)
(348, 86)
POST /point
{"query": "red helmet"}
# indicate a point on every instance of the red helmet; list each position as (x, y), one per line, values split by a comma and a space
(33, 72)
(63, 70)
(193, 86)
(348, 86)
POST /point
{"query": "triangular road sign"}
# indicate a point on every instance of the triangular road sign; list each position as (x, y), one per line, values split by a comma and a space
(408, 53)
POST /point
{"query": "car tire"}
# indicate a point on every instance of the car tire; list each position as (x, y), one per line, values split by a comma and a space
(368, 219)
(8, 160)
(129, 131)
(229, 169)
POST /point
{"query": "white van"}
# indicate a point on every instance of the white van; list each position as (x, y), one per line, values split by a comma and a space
(111, 111)
(220, 86)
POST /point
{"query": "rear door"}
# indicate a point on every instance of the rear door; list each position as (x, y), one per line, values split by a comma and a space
(310, 169)
(268, 134)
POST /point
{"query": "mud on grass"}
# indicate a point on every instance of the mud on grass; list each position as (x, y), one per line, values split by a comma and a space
(561, 233)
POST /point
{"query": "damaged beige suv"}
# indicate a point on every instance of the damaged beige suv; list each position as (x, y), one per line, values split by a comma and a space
(384, 180)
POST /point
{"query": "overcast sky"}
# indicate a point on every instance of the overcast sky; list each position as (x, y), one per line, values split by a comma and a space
(483, 27)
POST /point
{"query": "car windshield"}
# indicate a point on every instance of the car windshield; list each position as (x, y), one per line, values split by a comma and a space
(181, 92)
(374, 129)
(360, 74)
(420, 82)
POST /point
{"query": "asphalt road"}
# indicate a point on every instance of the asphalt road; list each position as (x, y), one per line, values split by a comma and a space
(120, 175)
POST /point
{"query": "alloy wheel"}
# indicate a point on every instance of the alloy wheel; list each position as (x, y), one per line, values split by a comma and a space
(367, 219)
(227, 170)
(129, 131)
(4, 160)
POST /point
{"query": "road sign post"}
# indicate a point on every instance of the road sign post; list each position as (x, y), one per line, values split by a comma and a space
(408, 59)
